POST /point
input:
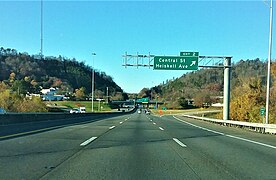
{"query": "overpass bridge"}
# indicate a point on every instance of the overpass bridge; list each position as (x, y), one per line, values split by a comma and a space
(131, 103)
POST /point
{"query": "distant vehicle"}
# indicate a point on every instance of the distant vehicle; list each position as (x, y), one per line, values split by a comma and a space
(82, 110)
(148, 112)
(75, 110)
(3, 111)
(78, 110)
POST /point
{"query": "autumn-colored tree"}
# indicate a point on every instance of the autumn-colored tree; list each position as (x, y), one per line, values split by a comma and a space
(203, 99)
(247, 100)
(80, 93)
(7, 100)
(118, 97)
(3, 87)
(35, 104)
(12, 77)
(99, 94)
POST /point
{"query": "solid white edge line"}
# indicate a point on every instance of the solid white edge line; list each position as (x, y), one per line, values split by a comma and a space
(227, 135)
(161, 128)
(251, 141)
(88, 141)
(179, 142)
(112, 127)
(216, 132)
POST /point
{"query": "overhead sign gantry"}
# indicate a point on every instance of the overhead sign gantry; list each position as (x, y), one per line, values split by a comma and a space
(186, 61)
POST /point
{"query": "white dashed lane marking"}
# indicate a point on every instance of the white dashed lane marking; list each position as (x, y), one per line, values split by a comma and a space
(88, 141)
(179, 142)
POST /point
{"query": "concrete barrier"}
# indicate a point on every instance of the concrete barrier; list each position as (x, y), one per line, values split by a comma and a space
(17, 118)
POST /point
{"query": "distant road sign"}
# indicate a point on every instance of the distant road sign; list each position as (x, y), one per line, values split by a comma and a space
(262, 111)
(175, 63)
(142, 100)
(189, 54)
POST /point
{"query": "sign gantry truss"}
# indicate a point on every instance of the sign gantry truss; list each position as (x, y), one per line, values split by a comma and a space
(140, 60)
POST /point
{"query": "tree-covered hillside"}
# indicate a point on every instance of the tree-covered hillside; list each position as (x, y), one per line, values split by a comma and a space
(31, 73)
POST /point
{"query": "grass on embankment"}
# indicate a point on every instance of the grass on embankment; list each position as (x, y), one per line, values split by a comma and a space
(75, 104)
(181, 111)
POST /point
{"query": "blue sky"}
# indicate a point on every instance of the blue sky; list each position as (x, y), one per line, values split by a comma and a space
(110, 28)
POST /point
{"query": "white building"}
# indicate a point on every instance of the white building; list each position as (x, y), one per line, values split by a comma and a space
(50, 95)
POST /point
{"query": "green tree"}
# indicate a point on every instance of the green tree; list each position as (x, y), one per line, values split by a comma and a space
(21, 87)
(183, 102)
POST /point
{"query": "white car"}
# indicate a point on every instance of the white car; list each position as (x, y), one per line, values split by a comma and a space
(75, 110)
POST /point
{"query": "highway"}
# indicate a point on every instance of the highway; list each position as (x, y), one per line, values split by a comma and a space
(140, 146)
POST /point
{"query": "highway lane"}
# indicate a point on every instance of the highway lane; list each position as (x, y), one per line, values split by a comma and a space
(243, 154)
(138, 146)
(19, 129)
(31, 156)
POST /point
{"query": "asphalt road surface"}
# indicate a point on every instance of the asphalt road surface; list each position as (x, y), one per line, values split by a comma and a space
(139, 146)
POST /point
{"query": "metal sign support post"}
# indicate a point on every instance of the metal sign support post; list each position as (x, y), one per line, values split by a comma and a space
(226, 90)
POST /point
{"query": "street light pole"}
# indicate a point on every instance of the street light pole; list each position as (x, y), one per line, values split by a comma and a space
(268, 66)
(41, 29)
(107, 95)
(92, 85)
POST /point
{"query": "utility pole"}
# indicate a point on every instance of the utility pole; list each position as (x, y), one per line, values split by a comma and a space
(268, 66)
(41, 29)
(92, 83)
(106, 94)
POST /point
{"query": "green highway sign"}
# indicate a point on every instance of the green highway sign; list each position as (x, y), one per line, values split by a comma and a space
(262, 111)
(142, 100)
(175, 63)
(189, 54)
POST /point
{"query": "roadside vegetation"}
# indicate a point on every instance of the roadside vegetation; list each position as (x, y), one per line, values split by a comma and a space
(13, 102)
(176, 111)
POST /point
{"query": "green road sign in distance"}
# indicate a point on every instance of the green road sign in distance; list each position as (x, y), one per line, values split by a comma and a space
(262, 111)
(175, 63)
(143, 100)
(189, 54)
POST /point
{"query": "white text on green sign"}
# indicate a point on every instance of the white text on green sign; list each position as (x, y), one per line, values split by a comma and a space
(189, 53)
(175, 63)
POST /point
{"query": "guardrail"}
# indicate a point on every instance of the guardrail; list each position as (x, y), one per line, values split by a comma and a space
(259, 127)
